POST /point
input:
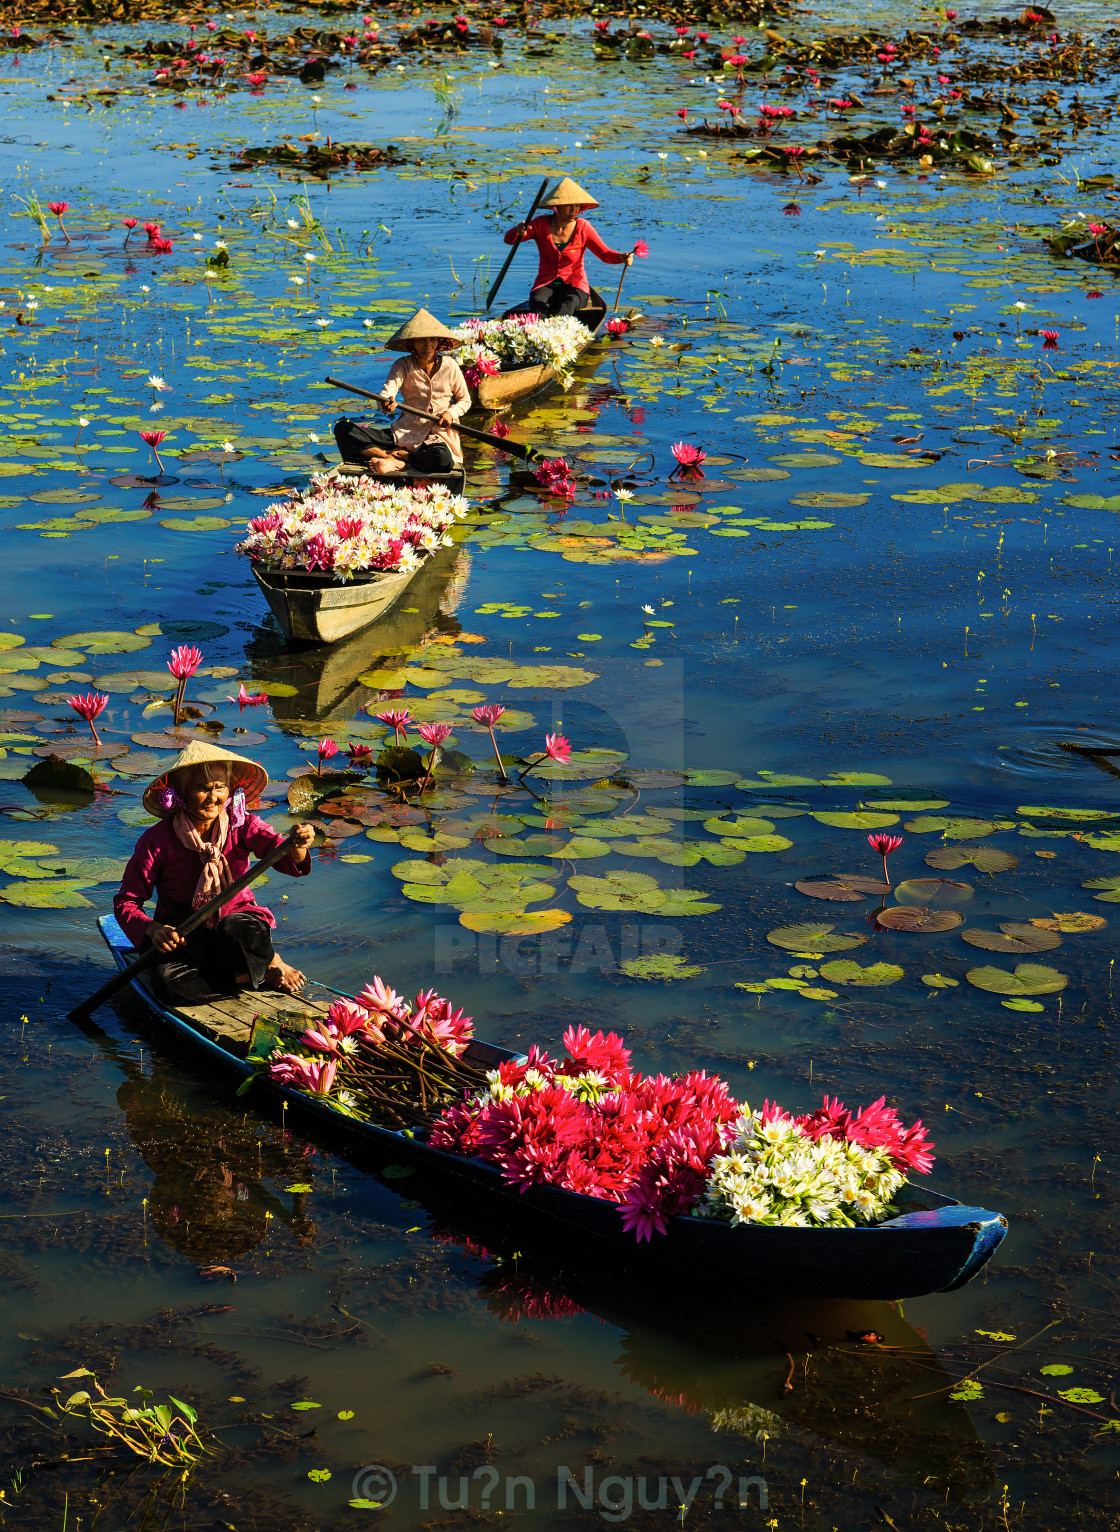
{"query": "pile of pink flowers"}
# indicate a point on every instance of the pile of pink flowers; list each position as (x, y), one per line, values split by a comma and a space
(591, 1124)
(555, 476)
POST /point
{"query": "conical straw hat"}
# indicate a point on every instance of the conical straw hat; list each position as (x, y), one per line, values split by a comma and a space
(422, 326)
(569, 191)
(243, 773)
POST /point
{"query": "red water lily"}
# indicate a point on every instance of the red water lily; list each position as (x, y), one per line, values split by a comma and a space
(1049, 340)
(360, 756)
(58, 208)
(884, 845)
(153, 439)
(326, 748)
(617, 326)
(246, 699)
(641, 249)
(397, 719)
(89, 707)
(689, 458)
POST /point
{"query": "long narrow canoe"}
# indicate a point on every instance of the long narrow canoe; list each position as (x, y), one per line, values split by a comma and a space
(513, 384)
(935, 1245)
(315, 608)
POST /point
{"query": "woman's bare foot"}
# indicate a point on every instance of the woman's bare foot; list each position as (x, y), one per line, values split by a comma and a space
(283, 976)
(383, 462)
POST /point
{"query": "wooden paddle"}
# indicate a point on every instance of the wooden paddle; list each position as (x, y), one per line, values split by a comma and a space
(195, 919)
(493, 293)
(503, 443)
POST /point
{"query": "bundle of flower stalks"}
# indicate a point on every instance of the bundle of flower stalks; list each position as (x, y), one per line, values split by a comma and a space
(384, 1060)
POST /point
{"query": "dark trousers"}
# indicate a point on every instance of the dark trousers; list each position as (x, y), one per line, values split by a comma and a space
(557, 298)
(353, 438)
(212, 956)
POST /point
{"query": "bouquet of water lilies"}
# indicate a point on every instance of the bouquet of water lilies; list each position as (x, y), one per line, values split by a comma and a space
(381, 1058)
(657, 1146)
(347, 527)
(491, 344)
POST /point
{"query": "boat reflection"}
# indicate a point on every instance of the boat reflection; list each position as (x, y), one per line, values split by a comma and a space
(327, 676)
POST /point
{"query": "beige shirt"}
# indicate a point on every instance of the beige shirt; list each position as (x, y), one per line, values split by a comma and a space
(444, 392)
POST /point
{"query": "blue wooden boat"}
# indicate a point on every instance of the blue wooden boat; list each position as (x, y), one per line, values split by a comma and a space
(934, 1244)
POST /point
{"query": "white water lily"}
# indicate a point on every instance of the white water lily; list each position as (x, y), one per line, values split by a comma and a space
(293, 223)
(145, 289)
(311, 437)
(220, 244)
(323, 323)
(657, 340)
(196, 236)
(83, 422)
(552, 342)
(156, 382)
(309, 256)
(624, 495)
(296, 281)
(367, 324)
(228, 447)
(154, 409)
(648, 609)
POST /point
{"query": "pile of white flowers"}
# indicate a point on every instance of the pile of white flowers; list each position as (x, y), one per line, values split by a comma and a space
(772, 1173)
(352, 526)
(491, 345)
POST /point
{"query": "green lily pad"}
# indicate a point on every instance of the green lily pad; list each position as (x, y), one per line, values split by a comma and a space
(1022, 1005)
(92, 869)
(892, 460)
(805, 460)
(523, 923)
(196, 524)
(1013, 936)
(757, 845)
(907, 805)
(11, 641)
(52, 894)
(103, 643)
(113, 513)
(637, 891)
(1093, 502)
(983, 858)
(1079, 816)
(665, 966)
(809, 936)
(580, 847)
(829, 500)
(955, 829)
(63, 497)
(939, 981)
(742, 827)
(855, 779)
(550, 677)
(875, 976)
(860, 819)
(1028, 979)
(698, 778)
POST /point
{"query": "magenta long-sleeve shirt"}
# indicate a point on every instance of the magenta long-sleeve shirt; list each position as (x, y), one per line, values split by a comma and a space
(163, 865)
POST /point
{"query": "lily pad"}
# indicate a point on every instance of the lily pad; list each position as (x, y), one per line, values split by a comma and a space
(550, 677)
(919, 919)
(1111, 887)
(935, 893)
(829, 500)
(855, 779)
(742, 827)
(1028, 979)
(758, 845)
(939, 981)
(698, 778)
(196, 524)
(843, 888)
(907, 805)
(1071, 924)
(875, 976)
(638, 891)
(524, 923)
(860, 819)
(956, 829)
(52, 894)
(892, 460)
(103, 643)
(983, 858)
(665, 965)
(810, 937)
(1013, 936)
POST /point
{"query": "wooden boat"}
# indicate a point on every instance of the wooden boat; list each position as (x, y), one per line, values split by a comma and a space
(934, 1245)
(316, 608)
(513, 384)
(328, 677)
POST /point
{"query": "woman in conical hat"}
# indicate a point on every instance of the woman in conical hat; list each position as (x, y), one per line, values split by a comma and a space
(562, 236)
(202, 843)
(429, 378)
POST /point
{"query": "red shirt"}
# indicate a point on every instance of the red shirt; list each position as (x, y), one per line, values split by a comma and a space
(161, 862)
(565, 265)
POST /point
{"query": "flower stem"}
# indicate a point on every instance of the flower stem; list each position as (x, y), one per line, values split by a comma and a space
(497, 755)
(886, 879)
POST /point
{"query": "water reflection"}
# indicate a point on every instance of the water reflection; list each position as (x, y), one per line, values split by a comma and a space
(327, 675)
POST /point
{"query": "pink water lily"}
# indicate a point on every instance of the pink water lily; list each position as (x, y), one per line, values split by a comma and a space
(316, 1076)
(617, 326)
(488, 716)
(689, 458)
(58, 208)
(557, 748)
(326, 749)
(360, 756)
(641, 249)
(433, 734)
(89, 707)
(397, 719)
(244, 699)
(183, 663)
